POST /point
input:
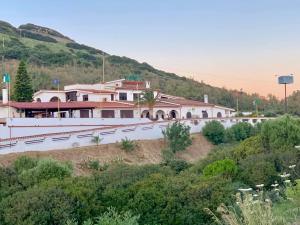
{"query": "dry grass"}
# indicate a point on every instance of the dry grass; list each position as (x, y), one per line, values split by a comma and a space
(147, 152)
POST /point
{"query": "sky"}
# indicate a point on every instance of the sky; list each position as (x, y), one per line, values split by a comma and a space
(225, 43)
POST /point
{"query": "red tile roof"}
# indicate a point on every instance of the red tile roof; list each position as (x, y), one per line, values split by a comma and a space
(98, 91)
(68, 105)
(186, 102)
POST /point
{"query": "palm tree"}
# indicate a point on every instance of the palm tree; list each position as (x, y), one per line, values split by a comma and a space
(148, 99)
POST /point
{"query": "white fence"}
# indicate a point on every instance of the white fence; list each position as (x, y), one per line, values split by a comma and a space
(52, 134)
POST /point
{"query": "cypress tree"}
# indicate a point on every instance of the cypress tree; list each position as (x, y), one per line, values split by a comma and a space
(23, 91)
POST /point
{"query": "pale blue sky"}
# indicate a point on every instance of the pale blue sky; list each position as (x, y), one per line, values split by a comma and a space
(236, 44)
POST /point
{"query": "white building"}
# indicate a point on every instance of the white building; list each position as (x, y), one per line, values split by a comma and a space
(114, 99)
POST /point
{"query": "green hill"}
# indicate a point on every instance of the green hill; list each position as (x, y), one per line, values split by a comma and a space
(51, 54)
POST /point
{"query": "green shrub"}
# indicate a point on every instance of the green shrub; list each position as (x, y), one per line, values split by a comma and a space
(128, 145)
(250, 146)
(24, 163)
(214, 131)
(45, 170)
(112, 217)
(177, 136)
(225, 167)
(282, 133)
(239, 132)
(37, 206)
(258, 169)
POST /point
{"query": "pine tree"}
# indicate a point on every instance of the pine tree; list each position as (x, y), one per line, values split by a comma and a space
(23, 91)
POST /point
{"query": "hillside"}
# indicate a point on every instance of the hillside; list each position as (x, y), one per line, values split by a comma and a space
(147, 152)
(51, 54)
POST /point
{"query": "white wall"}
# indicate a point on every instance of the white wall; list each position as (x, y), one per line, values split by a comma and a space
(141, 130)
(46, 96)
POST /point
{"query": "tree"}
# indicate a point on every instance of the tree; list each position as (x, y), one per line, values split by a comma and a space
(23, 91)
(148, 99)
(214, 131)
(177, 136)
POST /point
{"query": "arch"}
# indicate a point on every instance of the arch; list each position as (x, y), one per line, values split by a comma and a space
(38, 100)
(204, 114)
(219, 115)
(160, 114)
(173, 114)
(188, 115)
(55, 99)
(145, 114)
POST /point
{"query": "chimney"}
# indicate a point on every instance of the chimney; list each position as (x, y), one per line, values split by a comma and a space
(205, 98)
(4, 96)
(147, 84)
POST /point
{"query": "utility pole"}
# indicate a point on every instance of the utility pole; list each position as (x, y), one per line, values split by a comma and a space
(103, 65)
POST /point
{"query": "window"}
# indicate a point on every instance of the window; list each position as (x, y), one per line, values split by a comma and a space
(123, 96)
(135, 96)
(71, 96)
(204, 114)
(188, 115)
(85, 98)
(126, 113)
(112, 97)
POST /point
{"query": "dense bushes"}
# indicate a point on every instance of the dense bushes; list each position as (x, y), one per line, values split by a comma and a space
(214, 131)
(44, 191)
(282, 133)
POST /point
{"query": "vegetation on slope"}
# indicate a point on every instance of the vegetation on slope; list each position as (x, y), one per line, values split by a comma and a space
(44, 191)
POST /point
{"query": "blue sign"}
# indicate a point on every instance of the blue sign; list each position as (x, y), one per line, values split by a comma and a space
(288, 79)
(56, 82)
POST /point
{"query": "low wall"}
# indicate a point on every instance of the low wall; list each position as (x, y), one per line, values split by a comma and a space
(68, 135)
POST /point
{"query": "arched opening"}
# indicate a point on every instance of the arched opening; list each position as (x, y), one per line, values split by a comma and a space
(54, 99)
(173, 114)
(38, 100)
(188, 115)
(160, 114)
(145, 114)
(204, 114)
(219, 115)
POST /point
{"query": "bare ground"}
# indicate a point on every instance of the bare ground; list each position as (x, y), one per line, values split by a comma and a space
(147, 152)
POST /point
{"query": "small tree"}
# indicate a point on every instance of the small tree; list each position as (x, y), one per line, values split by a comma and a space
(23, 91)
(214, 131)
(177, 136)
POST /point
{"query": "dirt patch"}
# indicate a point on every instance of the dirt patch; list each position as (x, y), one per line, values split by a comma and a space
(147, 152)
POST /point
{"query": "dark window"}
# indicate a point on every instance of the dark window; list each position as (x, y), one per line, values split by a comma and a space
(135, 96)
(219, 115)
(188, 115)
(108, 114)
(84, 113)
(38, 100)
(85, 98)
(112, 97)
(123, 96)
(54, 99)
(71, 96)
(126, 113)
(204, 114)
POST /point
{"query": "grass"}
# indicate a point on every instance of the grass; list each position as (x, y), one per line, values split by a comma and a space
(290, 208)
